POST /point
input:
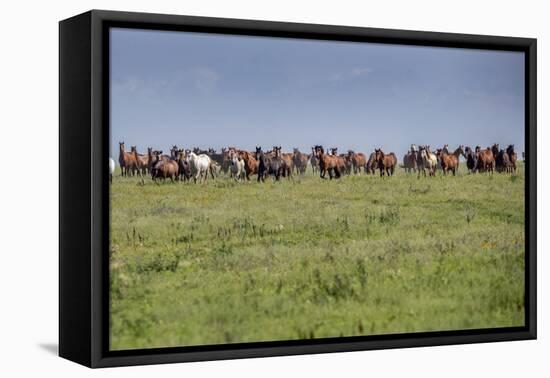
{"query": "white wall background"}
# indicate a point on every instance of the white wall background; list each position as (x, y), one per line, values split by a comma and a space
(29, 185)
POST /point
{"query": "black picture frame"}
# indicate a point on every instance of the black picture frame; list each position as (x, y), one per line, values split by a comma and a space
(84, 188)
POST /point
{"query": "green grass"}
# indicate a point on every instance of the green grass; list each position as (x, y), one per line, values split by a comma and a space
(230, 262)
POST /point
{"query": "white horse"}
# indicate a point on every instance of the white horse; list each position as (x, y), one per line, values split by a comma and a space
(237, 167)
(111, 169)
(428, 161)
(200, 165)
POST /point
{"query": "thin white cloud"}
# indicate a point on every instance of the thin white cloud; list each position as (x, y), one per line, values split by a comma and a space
(203, 80)
(361, 71)
(353, 73)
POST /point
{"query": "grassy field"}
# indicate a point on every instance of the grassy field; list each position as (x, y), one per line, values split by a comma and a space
(230, 262)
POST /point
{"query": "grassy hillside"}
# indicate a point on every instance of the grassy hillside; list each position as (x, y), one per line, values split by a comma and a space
(237, 262)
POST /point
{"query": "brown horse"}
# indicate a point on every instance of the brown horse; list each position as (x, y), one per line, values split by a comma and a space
(386, 163)
(348, 164)
(502, 159)
(450, 162)
(313, 160)
(344, 165)
(327, 163)
(410, 162)
(164, 169)
(300, 161)
(371, 165)
(226, 159)
(485, 160)
(513, 157)
(250, 163)
(142, 161)
(358, 161)
(150, 159)
(288, 163)
(126, 160)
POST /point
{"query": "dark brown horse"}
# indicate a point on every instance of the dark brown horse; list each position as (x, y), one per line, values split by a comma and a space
(215, 156)
(344, 165)
(471, 159)
(502, 162)
(371, 165)
(183, 166)
(313, 160)
(513, 157)
(501, 158)
(386, 163)
(327, 163)
(348, 164)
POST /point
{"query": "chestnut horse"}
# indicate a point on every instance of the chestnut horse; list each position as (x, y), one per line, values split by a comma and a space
(358, 161)
(485, 160)
(327, 163)
(386, 163)
(142, 161)
(250, 163)
(450, 162)
(288, 163)
(126, 160)
(165, 169)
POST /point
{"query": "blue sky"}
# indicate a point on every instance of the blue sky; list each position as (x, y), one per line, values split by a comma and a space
(208, 90)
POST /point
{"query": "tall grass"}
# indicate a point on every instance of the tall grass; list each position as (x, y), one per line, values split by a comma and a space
(230, 262)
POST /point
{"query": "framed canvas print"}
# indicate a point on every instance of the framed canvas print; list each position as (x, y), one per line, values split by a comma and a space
(234, 188)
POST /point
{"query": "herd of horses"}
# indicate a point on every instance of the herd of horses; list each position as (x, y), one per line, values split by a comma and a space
(490, 159)
(197, 164)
